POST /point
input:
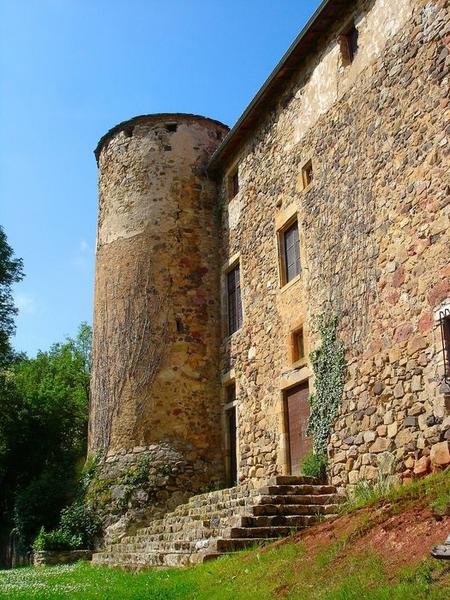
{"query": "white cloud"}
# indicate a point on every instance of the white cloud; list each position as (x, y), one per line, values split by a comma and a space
(83, 260)
(26, 303)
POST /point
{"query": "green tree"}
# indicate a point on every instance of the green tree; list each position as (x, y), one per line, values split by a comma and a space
(43, 431)
(11, 271)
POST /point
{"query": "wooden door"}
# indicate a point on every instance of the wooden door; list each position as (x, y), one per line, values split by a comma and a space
(297, 413)
(232, 444)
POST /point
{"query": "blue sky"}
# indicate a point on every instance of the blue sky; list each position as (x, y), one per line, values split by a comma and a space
(69, 71)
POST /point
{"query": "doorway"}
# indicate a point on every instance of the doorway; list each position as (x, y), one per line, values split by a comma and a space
(232, 445)
(297, 414)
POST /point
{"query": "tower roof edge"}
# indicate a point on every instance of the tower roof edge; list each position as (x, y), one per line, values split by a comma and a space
(155, 117)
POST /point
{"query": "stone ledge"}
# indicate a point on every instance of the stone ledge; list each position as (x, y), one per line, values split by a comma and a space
(59, 557)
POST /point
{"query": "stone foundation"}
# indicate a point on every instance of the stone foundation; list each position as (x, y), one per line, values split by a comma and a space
(144, 482)
(43, 558)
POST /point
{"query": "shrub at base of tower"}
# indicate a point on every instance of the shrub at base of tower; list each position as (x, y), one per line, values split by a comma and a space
(328, 364)
(314, 465)
(78, 529)
(79, 524)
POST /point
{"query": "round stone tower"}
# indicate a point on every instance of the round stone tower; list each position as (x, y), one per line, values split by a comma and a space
(155, 395)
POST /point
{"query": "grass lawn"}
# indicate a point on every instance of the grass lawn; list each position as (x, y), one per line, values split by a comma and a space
(248, 576)
(378, 551)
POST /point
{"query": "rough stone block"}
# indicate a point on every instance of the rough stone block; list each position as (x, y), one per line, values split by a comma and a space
(440, 454)
(422, 466)
(380, 445)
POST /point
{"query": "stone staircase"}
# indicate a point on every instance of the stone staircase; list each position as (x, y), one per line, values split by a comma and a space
(216, 523)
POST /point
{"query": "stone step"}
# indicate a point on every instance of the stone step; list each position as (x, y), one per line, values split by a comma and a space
(236, 544)
(294, 509)
(277, 499)
(147, 546)
(198, 515)
(290, 521)
(212, 498)
(293, 480)
(206, 510)
(298, 490)
(191, 534)
(202, 558)
(137, 560)
(216, 523)
(258, 532)
(221, 515)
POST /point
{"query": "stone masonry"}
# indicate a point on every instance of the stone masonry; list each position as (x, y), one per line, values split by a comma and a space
(354, 148)
(374, 244)
(155, 391)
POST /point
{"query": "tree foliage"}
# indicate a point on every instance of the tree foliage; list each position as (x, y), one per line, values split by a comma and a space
(43, 430)
(11, 271)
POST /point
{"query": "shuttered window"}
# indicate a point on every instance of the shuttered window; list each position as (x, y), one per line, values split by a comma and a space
(234, 300)
(291, 252)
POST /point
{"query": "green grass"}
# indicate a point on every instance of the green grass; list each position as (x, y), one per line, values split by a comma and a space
(246, 576)
(435, 488)
(335, 571)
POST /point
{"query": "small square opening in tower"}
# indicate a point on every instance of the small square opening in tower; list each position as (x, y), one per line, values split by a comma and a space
(233, 184)
(307, 174)
(349, 44)
(171, 127)
(298, 345)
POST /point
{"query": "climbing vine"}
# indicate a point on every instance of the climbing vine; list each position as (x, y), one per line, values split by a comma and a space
(329, 366)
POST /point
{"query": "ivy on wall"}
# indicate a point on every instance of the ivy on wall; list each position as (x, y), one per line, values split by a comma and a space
(329, 369)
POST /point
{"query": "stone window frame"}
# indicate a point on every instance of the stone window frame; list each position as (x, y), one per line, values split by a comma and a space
(227, 380)
(228, 266)
(308, 172)
(293, 361)
(288, 380)
(233, 182)
(347, 52)
(302, 185)
(282, 223)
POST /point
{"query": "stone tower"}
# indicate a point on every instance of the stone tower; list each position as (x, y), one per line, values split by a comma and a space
(155, 388)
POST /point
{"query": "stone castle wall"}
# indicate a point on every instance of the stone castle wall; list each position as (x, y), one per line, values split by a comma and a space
(374, 236)
(374, 245)
(155, 386)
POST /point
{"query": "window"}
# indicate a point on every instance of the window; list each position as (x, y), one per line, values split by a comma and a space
(171, 127)
(307, 174)
(349, 44)
(298, 345)
(232, 459)
(444, 318)
(230, 393)
(290, 248)
(234, 300)
(233, 184)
